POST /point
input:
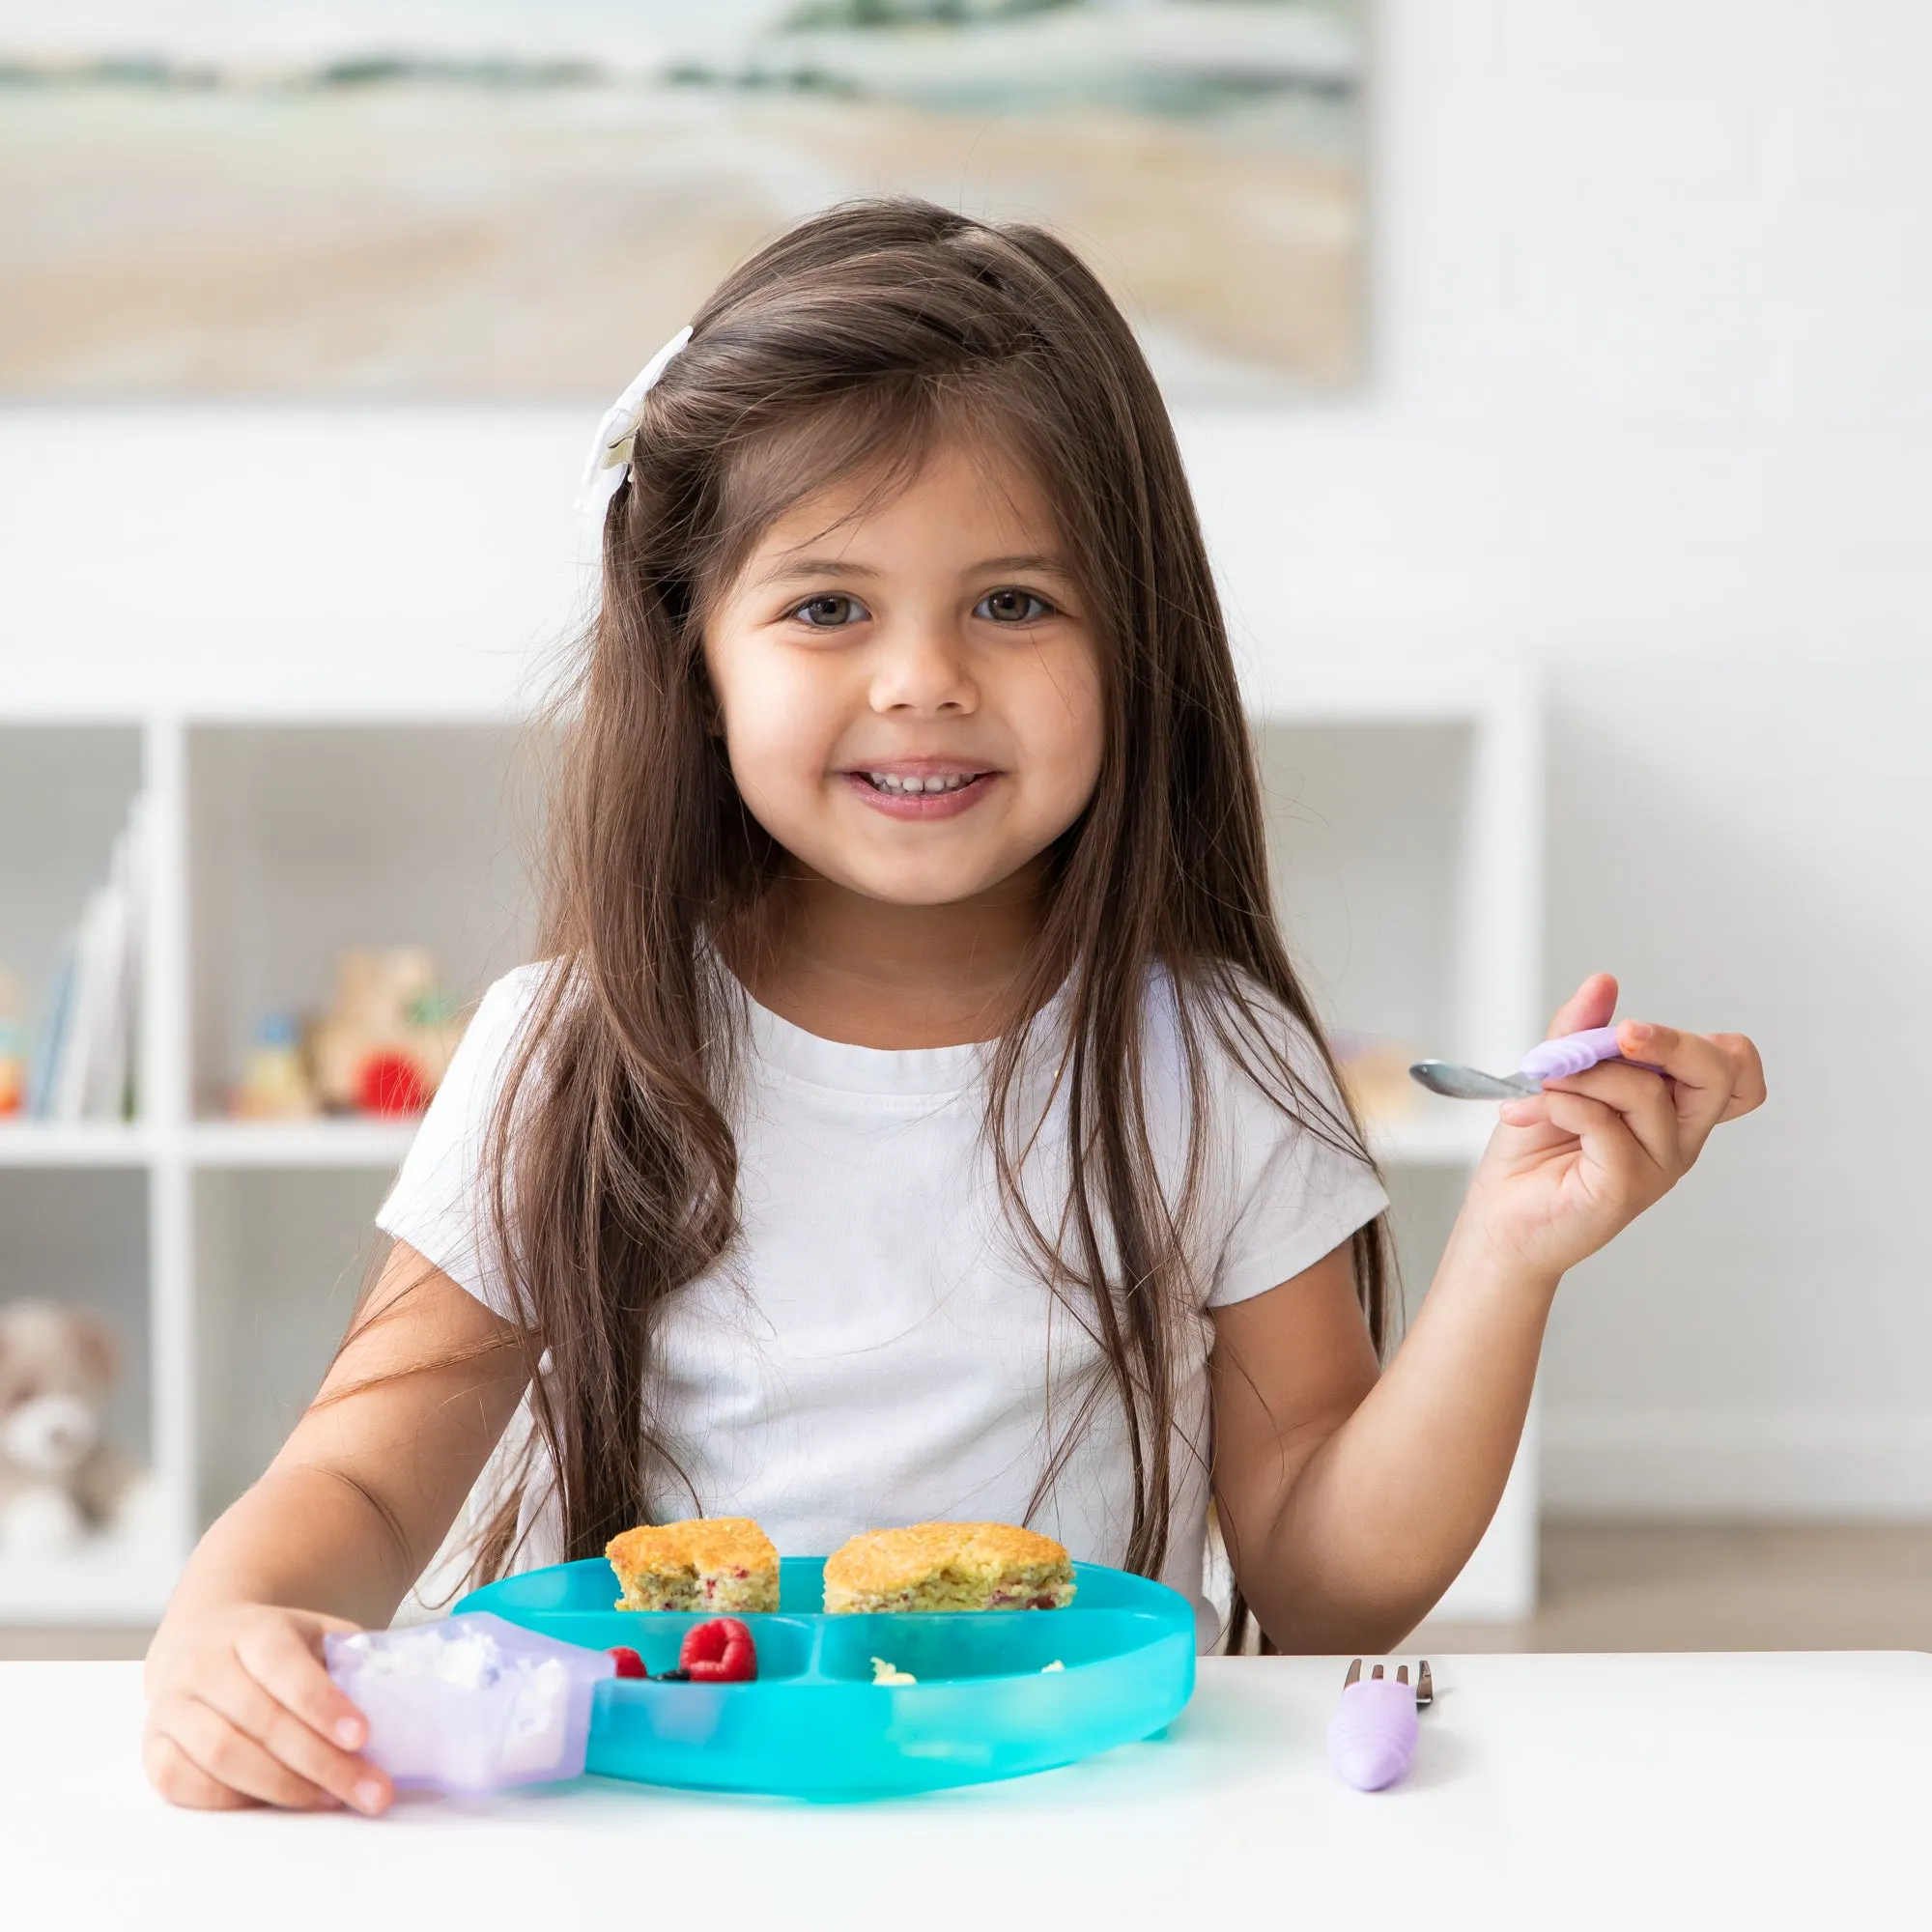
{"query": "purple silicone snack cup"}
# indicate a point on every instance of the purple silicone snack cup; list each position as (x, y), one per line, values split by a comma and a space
(470, 1704)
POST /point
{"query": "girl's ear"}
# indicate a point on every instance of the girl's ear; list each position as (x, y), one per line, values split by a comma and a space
(708, 707)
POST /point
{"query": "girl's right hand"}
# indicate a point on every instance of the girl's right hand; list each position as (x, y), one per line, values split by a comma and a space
(241, 1711)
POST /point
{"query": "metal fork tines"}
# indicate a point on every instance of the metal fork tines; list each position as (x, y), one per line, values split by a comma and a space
(1424, 1684)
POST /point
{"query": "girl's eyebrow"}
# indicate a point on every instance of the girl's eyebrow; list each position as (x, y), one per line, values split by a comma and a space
(837, 566)
(1035, 560)
(815, 566)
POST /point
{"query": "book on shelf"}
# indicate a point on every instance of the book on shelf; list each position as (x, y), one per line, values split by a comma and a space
(85, 1061)
(53, 1029)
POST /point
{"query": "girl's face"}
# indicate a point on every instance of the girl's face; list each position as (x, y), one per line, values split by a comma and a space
(911, 696)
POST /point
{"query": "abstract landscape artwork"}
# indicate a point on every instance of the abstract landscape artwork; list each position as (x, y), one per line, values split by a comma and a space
(508, 199)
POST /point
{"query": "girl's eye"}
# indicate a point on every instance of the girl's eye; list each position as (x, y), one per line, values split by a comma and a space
(830, 612)
(1013, 606)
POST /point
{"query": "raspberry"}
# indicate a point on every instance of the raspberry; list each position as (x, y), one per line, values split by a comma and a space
(719, 1652)
(629, 1663)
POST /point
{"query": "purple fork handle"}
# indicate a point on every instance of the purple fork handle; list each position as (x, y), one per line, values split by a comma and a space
(1371, 1735)
(1571, 1053)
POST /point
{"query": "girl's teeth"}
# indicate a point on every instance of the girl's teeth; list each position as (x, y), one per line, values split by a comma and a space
(916, 787)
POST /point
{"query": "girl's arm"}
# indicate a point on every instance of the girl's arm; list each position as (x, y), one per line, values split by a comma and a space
(1348, 1502)
(348, 1516)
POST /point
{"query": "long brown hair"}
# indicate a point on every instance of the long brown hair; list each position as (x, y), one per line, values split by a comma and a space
(846, 349)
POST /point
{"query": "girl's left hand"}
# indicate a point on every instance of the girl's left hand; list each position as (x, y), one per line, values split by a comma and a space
(1575, 1164)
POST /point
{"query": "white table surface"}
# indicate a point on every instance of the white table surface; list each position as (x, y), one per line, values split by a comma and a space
(1627, 1791)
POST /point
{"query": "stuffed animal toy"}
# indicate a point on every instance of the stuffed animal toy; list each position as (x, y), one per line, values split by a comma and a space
(57, 1478)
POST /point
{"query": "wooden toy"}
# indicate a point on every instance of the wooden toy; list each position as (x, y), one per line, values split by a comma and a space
(274, 1084)
(387, 1039)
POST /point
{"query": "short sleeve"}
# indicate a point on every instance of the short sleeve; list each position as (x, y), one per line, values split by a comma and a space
(439, 1203)
(1292, 1196)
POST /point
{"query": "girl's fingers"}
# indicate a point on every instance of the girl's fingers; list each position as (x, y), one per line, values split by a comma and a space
(1607, 1141)
(1748, 1088)
(238, 1696)
(276, 1656)
(181, 1780)
(1647, 1105)
(1562, 1117)
(1703, 1073)
(1591, 1005)
(228, 1755)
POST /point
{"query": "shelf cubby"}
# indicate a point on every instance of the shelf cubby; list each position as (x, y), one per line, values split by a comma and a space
(65, 789)
(281, 1254)
(1366, 833)
(305, 839)
(1404, 856)
(78, 1235)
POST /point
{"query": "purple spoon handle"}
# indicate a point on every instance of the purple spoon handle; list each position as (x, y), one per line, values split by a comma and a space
(1571, 1053)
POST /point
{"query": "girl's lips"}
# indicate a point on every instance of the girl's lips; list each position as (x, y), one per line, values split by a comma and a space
(927, 804)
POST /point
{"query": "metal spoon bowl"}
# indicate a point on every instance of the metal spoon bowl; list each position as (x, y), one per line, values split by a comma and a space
(1470, 1083)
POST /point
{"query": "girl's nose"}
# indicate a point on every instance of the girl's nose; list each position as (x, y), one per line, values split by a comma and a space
(923, 669)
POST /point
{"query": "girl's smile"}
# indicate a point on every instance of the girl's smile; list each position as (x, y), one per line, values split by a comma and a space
(921, 789)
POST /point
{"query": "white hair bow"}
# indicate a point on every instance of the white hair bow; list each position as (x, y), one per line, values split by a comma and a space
(611, 451)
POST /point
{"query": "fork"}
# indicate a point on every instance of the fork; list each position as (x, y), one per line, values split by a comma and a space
(1371, 1735)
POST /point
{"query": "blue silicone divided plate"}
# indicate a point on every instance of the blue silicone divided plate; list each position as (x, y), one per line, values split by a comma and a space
(816, 1725)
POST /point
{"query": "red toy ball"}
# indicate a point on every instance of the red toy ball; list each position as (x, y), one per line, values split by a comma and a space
(391, 1084)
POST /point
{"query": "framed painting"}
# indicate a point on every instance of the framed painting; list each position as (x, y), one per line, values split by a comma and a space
(516, 199)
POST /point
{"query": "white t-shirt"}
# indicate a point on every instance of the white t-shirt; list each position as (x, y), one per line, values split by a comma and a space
(876, 1348)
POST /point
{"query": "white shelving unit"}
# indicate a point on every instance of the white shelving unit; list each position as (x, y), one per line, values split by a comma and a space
(227, 1254)
(1405, 835)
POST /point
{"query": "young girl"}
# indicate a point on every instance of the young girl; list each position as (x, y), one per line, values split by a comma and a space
(914, 1115)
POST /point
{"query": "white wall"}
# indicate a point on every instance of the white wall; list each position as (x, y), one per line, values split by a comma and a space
(1655, 408)
(1652, 407)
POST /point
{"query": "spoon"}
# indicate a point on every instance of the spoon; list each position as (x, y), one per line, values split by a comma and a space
(1554, 1060)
